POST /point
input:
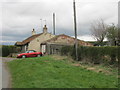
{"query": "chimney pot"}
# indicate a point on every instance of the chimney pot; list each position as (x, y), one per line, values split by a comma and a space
(45, 29)
(33, 32)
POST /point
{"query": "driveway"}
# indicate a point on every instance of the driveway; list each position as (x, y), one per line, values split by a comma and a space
(5, 76)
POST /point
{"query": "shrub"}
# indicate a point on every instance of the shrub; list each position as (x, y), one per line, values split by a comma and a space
(67, 50)
(7, 49)
(96, 55)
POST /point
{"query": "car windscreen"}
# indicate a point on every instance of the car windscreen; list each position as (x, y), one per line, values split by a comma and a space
(27, 52)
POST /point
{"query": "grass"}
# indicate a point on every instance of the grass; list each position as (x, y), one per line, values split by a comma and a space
(49, 72)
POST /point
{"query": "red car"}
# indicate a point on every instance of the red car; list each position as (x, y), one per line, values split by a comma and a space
(30, 53)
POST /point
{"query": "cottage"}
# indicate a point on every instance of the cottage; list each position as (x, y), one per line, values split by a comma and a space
(47, 43)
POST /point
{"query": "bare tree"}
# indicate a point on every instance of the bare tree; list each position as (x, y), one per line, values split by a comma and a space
(98, 29)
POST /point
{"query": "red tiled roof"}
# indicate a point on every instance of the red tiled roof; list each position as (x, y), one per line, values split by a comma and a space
(81, 42)
(55, 38)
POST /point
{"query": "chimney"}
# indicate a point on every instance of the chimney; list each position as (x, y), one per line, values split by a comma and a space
(33, 32)
(45, 29)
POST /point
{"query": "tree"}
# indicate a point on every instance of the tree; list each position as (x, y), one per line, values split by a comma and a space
(118, 36)
(113, 35)
(98, 29)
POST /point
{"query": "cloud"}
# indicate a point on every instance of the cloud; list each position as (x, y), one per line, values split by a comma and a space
(88, 38)
(19, 17)
(8, 41)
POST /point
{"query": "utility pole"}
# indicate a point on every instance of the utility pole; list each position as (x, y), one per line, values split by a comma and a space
(75, 29)
(54, 23)
(119, 14)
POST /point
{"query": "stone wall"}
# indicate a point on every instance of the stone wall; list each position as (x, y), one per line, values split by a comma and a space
(54, 48)
(36, 43)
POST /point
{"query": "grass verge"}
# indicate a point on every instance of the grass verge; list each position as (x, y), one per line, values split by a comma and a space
(49, 72)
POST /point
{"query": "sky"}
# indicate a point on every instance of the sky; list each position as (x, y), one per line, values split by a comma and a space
(19, 17)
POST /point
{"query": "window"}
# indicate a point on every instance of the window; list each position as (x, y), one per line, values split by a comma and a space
(31, 51)
(27, 52)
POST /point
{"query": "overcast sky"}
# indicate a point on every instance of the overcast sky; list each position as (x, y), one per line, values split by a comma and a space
(19, 17)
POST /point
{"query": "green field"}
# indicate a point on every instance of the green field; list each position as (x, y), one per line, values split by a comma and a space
(49, 72)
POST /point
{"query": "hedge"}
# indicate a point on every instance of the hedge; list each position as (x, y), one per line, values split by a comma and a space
(96, 55)
(7, 49)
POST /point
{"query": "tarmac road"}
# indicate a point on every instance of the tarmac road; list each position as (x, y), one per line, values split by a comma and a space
(5, 77)
(0, 73)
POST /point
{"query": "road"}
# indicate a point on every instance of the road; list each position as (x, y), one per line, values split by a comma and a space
(0, 73)
(5, 77)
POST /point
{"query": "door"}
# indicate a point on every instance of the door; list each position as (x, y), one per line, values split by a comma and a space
(43, 48)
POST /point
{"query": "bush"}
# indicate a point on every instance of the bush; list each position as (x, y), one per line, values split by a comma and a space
(7, 49)
(94, 55)
(67, 50)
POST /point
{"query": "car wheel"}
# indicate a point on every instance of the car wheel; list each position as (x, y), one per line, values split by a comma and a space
(23, 56)
(38, 55)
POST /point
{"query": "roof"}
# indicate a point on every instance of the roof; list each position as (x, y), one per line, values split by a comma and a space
(55, 38)
(27, 40)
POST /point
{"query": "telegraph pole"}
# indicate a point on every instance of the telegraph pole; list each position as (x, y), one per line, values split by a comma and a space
(75, 29)
(54, 23)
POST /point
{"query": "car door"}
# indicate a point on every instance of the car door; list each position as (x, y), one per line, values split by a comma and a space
(32, 54)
